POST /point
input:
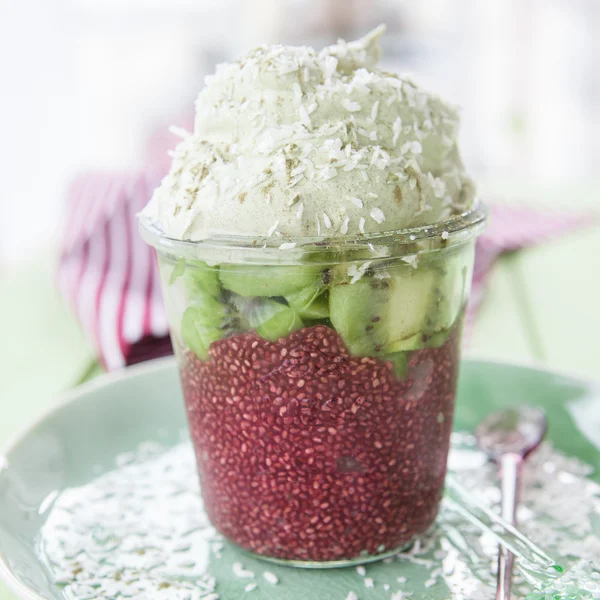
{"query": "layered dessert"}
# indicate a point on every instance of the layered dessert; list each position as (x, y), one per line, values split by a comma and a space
(315, 238)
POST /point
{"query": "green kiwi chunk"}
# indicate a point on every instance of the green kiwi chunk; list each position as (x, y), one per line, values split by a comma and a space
(202, 324)
(208, 316)
(199, 277)
(453, 274)
(310, 302)
(269, 318)
(399, 361)
(264, 281)
(378, 316)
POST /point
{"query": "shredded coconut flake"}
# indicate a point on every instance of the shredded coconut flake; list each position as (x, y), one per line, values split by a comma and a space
(328, 173)
(361, 570)
(361, 225)
(397, 130)
(445, 235)
(296, 180)
(304, 117)
(299, 169)
(272, 229)
(271, 578)
(329, 67)
(344, 227)
(250, 587)
(287, 245)
(240, 572)
(179, 132)
(355, 273)
(369, 582)
(327, 221)
(300, 211)
(356, 201)
(350, 106)
(412, 260)
(297, 90)
(413, 147)
(377, 215)
(374, 110)
(372, 195)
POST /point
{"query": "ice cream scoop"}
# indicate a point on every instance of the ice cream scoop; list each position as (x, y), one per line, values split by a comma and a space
(292, 142)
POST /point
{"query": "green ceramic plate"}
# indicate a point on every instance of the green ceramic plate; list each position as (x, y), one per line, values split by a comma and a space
(82, 436)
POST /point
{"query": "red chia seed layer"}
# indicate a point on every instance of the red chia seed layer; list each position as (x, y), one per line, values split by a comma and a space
(308, 453)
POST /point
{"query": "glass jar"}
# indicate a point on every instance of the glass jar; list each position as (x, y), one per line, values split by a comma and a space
(319, 381)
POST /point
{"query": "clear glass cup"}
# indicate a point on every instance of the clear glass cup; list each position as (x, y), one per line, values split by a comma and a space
(319, 382)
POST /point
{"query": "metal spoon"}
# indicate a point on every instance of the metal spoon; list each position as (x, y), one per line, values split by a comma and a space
(508, 437)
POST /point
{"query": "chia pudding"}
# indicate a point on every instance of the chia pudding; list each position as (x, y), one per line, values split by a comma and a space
(308, 453)
(315, 240)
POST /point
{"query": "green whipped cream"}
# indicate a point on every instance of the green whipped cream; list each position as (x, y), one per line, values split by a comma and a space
(290, 142)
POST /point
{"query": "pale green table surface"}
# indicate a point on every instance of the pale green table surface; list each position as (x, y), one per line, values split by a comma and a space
(542, 306)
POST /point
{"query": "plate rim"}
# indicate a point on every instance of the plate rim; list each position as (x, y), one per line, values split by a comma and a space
(62, 400)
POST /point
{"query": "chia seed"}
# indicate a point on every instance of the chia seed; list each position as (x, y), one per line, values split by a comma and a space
(278, 482)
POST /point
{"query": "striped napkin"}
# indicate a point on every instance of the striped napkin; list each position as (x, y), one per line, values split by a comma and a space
(510, 228)
(109, 276)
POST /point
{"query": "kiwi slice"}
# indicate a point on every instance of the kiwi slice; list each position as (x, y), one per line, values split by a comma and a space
(310, 302)
(282, 323)
(197, 276)
(267, 281)
(436, 339)
(269, 318)
(200, 278)
(453, 278)
(208, 316)
(399, 361)
(353, 309)
(414, 342)
(319, 309)
(202, 324)
(382, 315)
(177, 271)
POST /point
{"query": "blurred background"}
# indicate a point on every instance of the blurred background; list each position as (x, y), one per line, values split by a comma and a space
(85, 83)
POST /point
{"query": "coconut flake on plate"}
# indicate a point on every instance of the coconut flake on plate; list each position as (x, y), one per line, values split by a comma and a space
(377, 215)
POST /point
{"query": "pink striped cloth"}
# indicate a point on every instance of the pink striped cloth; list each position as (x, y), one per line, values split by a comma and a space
(109, 276)
(510, 228)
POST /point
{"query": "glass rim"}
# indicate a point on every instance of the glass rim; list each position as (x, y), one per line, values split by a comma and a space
(456, 230)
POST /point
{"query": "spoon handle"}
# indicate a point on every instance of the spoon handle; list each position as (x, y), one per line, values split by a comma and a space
(510, 472)
(465, 503)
